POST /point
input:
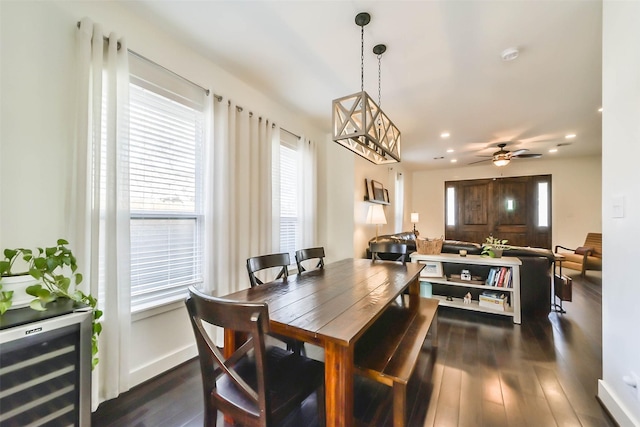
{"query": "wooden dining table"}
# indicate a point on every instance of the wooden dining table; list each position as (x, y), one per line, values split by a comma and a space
(332, 307)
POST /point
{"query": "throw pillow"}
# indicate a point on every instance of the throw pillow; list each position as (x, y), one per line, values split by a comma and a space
(583, 250)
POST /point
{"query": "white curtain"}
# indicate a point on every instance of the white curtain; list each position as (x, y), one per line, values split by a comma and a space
(241, 205)
(307, 202)
(100, 198)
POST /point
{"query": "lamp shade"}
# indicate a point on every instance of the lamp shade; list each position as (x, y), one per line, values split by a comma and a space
(376, 215)
(415, 217)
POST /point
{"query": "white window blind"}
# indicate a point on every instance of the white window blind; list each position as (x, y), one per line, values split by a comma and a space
(166, 201)
(288, 178)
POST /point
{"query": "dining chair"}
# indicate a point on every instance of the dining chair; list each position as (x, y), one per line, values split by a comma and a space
(265, 262)
(258, 384)
(391, 251)
(309, 253)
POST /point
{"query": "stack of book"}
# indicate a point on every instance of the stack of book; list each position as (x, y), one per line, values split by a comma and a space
(494, 300)
(500, 277)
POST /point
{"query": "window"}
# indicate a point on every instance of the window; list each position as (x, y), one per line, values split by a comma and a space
(399, 203)
(166, 186)
(451, 206)
(543, 204)
(287, 176)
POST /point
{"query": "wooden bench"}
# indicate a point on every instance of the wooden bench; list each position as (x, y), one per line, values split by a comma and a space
(389, 350)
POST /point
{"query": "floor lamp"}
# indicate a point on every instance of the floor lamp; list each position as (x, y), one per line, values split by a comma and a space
(376, 216)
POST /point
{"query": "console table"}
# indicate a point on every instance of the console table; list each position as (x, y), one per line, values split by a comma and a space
(484, 263)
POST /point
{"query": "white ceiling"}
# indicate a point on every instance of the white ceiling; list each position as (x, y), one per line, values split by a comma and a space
(442, 70)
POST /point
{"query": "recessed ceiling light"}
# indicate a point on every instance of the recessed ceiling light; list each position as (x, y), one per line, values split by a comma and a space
(509, 54)
(570, 136)
(445, 135)
(553, 150)
(454, 160)
(450, 150)
(600, 110)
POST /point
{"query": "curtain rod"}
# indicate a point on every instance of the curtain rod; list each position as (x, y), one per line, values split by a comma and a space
(219, 98)
(144, 58)
(291, 133)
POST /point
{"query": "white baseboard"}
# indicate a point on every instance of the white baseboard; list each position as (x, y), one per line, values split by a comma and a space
(616, 408)
(160, 365)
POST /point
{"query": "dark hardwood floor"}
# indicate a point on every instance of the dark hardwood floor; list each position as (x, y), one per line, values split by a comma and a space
(486, 372)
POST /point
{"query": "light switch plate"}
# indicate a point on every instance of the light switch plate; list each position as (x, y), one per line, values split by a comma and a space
(617, 207)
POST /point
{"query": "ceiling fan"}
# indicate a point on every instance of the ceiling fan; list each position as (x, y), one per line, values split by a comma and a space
(502, 157)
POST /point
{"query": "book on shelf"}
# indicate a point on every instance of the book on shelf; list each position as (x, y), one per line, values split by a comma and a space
(500, 281)
(493, 276)
(508, 280)
(493, 300)
(499, 277)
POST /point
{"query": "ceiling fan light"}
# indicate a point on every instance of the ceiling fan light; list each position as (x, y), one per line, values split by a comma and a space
(501, 160)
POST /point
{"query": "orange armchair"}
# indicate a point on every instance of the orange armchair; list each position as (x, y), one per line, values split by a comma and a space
(586, 257)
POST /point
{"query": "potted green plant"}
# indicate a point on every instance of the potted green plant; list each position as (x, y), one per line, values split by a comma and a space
(13, 285)
(494, 247)
(54, 271)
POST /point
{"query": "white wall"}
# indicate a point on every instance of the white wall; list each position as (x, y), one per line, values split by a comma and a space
(576, 194)
(37, 123)
(386, 175)
(620, 173)
(336, 201)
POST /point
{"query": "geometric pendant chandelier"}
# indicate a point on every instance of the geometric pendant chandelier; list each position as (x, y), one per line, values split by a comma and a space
(360, 125)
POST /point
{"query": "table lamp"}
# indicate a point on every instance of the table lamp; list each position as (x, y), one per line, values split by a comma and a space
(415, 217)
(376, 216)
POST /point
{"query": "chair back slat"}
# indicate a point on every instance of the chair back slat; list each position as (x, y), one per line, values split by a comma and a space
(263, 262)
(256, 385)
(309, 253)
(399, 249)
(251, 318)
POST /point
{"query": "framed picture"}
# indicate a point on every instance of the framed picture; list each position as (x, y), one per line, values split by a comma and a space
(377, 191)
(386, 195)
(431, 269)
(367, 193)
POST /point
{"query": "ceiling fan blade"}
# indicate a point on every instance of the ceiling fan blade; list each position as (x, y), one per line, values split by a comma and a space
(479, 161)
(528, 156)
(518, 152)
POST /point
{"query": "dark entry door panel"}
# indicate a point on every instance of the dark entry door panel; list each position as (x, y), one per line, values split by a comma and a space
(507, 208)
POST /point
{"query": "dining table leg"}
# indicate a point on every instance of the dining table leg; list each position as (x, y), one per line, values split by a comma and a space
(338, 377)
(414, 287)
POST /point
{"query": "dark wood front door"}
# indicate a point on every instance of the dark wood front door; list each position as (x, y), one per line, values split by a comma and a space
(517, 209)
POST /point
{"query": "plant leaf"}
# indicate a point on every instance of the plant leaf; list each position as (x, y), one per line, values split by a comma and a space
(35, 273)
(39, 292)
(4, 267)
(10, 253)
(36, 304)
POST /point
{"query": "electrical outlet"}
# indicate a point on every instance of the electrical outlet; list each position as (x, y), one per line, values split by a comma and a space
(633, 380)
